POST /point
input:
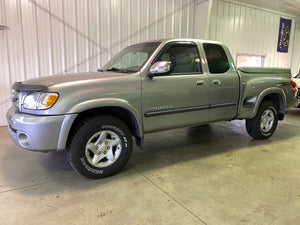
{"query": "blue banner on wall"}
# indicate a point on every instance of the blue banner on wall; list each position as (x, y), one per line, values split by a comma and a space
(284, 35)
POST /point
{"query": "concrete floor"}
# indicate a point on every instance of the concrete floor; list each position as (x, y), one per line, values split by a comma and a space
(211, 174)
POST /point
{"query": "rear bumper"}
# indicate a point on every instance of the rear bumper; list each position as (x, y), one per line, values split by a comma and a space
(38, 133)
(298, 97)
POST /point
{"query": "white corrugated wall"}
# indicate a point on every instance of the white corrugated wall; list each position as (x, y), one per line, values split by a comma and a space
(250, 30)
(48, 37)
(201, 12)
(296, 46)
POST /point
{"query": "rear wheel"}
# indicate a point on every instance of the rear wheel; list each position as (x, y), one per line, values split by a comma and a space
(264, 124)
(100, 147)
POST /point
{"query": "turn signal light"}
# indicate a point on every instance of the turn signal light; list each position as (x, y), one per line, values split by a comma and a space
(51, 100)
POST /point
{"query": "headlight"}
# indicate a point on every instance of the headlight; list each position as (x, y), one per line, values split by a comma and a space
(39, 100)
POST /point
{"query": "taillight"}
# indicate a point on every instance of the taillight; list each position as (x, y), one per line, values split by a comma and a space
(294, 86)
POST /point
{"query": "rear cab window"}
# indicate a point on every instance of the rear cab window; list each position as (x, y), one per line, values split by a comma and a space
(216, 58)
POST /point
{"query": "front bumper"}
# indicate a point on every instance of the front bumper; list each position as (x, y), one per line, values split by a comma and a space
(38, 133)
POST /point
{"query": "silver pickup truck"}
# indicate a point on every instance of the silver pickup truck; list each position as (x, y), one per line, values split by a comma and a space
(147, 87)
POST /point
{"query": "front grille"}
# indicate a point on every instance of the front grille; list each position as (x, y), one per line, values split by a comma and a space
(16, 104)
(15, 96)
(15, 99)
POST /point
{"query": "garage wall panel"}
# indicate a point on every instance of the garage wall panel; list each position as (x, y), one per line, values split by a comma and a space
(43, 31)
(29, 39)
(58, 31)
(296, 46)
(250, 30)
(5, 78)
(201, 12)
(152, 19)
(15, 40)
(50, 37)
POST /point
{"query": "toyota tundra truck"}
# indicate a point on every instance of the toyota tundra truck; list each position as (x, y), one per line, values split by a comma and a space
(147, 87)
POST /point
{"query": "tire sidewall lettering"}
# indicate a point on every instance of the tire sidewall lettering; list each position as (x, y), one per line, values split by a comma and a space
(266, 134)
(110, 127)
(273, 109)
(86, 165)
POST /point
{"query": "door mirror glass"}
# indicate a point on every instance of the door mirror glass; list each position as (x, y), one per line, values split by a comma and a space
(160, 68)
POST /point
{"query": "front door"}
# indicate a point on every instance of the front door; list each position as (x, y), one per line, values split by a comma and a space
(180, 98)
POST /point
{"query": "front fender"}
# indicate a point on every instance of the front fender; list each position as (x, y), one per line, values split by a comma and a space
(109, 102)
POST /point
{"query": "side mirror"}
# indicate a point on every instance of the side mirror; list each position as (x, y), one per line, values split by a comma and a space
(159, 68)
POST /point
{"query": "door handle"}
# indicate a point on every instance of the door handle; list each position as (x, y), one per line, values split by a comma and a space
(216, 82)
(200, 82)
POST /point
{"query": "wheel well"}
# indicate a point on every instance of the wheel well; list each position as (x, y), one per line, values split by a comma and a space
(124, 115)
(277, 99)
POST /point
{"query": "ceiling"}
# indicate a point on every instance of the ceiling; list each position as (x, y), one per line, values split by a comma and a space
(291, 7)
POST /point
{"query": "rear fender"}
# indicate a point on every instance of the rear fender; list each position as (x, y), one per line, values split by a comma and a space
(276, 95)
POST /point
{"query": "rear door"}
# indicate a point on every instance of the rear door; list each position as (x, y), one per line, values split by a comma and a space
(224, 83)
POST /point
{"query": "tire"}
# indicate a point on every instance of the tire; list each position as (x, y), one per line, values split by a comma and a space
(100, 147)
(264, 124)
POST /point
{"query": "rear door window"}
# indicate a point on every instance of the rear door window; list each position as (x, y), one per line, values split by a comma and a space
(216, 58)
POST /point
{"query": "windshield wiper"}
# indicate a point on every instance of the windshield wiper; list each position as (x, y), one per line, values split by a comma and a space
(117, 70)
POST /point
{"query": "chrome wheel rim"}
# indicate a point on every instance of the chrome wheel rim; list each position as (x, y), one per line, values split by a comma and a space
(267, 121)
(103, 149)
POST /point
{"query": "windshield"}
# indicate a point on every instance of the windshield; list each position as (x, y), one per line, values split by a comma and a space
(132, 58)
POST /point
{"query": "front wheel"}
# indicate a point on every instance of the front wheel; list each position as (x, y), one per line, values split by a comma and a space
(100, 147)
(264, 124)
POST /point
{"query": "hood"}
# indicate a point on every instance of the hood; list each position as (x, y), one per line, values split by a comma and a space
(60, 79)
(43, 83)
